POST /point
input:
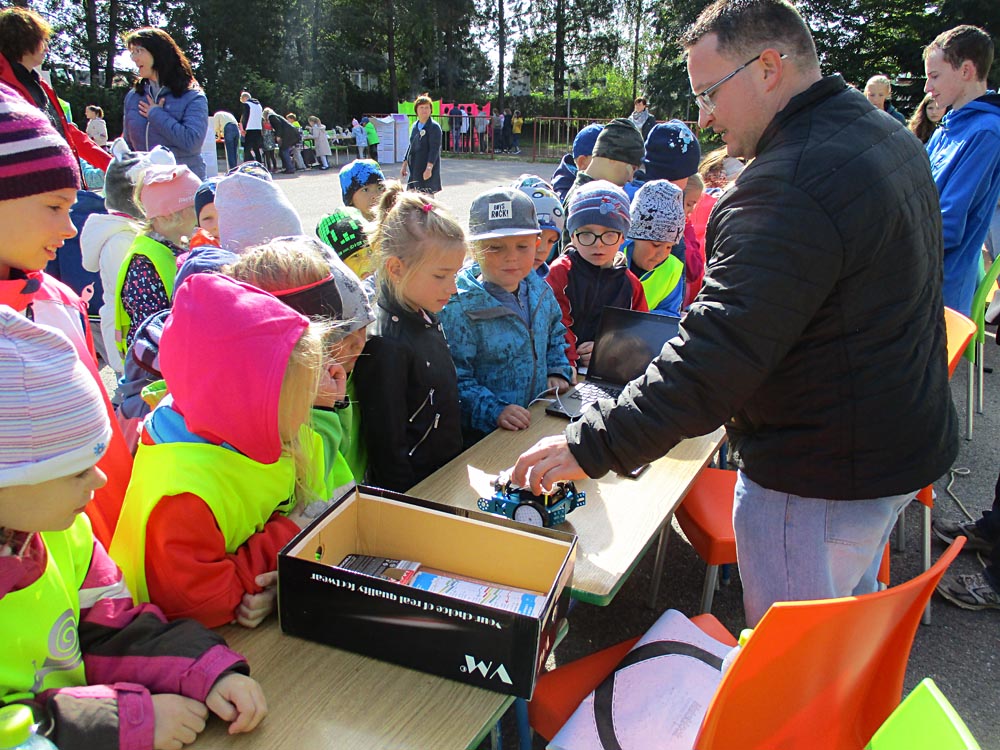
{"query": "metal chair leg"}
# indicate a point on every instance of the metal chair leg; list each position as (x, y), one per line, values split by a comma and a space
(661, 554)
(968, 400)
(708, 592)
(901, 531)
(524, 734)
(926, 553)
(980, 358)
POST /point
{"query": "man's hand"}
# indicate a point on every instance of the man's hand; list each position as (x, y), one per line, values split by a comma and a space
(176, 721)
(239, 700)
(255, 607)
(547, 462)
(514, 417)
(583, 351)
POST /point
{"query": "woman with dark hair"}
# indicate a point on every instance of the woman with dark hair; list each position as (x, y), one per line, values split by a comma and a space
(925, 118)
(166, 107)
(423, 159)
(24, 40)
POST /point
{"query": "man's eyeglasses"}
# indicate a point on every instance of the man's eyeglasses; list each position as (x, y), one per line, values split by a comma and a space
(704, 99)
(610, 237)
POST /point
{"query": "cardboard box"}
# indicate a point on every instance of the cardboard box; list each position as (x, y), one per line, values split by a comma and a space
(472, 643)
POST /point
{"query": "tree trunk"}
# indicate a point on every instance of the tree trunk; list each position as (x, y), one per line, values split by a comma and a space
(635, 50)
(92, 43)
(559, 54)
(111, 47)
(390, 48)
(502, 42)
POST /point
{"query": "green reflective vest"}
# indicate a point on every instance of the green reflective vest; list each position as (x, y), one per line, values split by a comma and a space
(39, 623)
(166, 268)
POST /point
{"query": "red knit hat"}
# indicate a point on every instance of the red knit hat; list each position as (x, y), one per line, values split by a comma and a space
(34, 158)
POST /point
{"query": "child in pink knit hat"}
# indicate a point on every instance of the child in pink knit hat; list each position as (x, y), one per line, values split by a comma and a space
(145, 285)
(39, 178)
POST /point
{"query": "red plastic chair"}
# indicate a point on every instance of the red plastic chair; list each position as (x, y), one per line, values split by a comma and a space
(822, 675)
(706, 518)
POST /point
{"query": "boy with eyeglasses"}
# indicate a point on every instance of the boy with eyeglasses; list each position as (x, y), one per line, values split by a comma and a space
(592, 274)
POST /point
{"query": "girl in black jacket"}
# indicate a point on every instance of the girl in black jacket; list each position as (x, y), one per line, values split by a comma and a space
(406, 383)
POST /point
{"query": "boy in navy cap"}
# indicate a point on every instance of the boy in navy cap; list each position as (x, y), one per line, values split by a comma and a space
(583, 150)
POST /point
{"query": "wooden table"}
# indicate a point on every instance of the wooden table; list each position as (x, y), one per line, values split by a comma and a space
(322, 698)
(622, 516)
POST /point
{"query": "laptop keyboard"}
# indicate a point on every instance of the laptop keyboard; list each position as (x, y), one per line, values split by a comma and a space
(589, 392)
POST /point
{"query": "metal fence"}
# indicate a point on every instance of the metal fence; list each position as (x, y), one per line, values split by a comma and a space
(541, 139)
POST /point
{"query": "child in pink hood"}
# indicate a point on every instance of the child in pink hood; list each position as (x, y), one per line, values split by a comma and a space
(219, 479)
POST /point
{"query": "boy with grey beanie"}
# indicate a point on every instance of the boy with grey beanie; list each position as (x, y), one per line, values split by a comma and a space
(657, 225)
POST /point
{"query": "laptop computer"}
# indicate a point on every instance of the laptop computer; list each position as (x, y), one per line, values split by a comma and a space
(626, 342)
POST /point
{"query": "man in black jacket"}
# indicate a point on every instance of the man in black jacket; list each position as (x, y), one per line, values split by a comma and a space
(818, 339)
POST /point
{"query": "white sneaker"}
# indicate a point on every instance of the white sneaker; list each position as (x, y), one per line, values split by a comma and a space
(993, 311)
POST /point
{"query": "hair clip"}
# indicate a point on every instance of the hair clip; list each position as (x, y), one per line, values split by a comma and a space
(427, 208)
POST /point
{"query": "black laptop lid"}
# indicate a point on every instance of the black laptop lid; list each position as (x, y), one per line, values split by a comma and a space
(626, 342)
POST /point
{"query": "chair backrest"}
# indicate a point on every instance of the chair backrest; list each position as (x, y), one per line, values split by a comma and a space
(959, 331)
(924, 721)
(978, 313)
(822, 675)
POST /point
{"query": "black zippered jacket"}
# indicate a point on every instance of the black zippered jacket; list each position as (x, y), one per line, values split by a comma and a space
(819, 338)
(408, 393)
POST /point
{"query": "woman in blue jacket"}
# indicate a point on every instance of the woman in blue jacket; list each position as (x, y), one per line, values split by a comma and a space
(166, 107)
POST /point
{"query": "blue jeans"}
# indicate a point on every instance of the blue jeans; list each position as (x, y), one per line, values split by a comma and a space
(793, 548)
(231, 136)
(286, 158)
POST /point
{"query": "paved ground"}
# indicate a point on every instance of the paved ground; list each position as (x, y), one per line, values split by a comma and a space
(960, 649)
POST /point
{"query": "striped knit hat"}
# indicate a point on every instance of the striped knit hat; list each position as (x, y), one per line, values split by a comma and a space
(34, 158)
(53, 422)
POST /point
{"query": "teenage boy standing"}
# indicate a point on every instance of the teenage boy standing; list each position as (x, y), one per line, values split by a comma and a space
(964, 153)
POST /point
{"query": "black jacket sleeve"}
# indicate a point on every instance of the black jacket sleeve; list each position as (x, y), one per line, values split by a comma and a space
(776, 258)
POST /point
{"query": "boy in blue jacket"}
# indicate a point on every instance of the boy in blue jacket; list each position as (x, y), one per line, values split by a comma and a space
(504, 326)
(964, 153)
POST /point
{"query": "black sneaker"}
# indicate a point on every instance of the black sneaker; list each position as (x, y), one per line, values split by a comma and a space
(947, 530)
(969, 591)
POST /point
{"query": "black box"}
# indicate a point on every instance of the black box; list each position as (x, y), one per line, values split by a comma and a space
(469, 642)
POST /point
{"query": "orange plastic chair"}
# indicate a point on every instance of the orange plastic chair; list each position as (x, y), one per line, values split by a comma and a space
(706, 518)
(818, 674)
(960, 331)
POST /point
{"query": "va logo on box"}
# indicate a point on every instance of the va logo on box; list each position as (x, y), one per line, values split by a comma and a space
(485, 669)
(501, 211)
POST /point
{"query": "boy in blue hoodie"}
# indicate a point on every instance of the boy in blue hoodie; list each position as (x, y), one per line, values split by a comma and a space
(504, 325)
(964, 153)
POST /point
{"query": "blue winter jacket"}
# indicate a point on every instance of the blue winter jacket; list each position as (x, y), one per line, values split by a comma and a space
(179, 125)
(498, 359)
(564, 176)
(965, 162)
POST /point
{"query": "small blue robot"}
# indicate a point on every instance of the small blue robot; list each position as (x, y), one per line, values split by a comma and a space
(521, 504)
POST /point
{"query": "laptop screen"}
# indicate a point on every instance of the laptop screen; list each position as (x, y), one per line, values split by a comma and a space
(626, 342)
